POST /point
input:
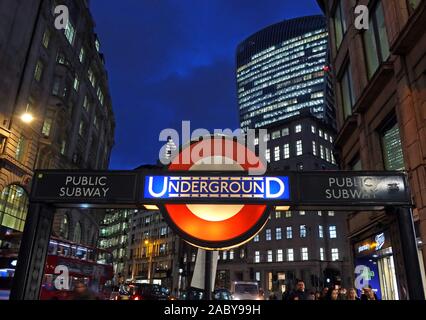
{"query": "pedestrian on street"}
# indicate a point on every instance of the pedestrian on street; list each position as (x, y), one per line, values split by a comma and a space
(352, 295)
(299, 293)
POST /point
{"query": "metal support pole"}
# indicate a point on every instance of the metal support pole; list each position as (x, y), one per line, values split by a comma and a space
(32, 253)
(409, 252)
(208, 276)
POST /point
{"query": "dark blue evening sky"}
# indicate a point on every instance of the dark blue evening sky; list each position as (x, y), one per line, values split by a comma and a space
(174, 60)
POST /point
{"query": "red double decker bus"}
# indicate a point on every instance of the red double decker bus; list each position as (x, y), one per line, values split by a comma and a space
(69, 263)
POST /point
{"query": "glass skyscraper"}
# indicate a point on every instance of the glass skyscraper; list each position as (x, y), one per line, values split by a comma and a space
(283, 69)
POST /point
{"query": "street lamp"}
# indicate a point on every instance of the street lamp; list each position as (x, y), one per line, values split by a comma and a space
(27, 117)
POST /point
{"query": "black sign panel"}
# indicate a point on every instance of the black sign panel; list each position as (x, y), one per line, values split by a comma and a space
(352, 188)
(341, 190)
(95, 187)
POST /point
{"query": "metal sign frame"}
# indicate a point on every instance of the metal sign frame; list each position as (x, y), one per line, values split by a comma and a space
(33, 250)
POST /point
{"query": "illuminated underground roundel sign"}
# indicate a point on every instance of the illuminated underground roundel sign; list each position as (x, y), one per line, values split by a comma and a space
(215, 225)
(170, 187)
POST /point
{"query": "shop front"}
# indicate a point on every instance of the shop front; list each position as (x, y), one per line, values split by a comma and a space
(375, 266)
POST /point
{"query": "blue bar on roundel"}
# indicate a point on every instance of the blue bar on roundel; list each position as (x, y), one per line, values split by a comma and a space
(173, 187)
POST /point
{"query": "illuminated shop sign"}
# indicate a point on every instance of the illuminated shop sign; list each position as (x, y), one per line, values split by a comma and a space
(373, 244)
(169, 187)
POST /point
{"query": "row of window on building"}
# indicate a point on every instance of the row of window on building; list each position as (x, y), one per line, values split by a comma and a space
(290, 255)
(289, 213)
(297, 129)
(332, 233)
(323, 152)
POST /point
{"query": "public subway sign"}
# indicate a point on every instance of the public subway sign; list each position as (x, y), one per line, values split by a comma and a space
(351, 188)
(79, 187)
(218, 187)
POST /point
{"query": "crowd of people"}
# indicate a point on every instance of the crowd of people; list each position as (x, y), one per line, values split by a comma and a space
(335, 292)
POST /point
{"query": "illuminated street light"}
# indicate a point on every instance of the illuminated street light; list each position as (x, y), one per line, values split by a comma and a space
(27, 117)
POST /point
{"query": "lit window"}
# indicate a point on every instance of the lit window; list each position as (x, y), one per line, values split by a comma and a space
(256, 141)
(97, 45)
(303, 231)
(20, 148)
(279, 255)
(225, 255)
(86, 104)
(320, 133)
(47, 125)
(100, 95)
(321, 152)
(322, 255)
(304, 254)
(325, 135)
(91, 77)
(268, 155)
(299, 149)
(313, 129)
(38, 71)
(242, 254)
(256, 256)
(320, 213)
(288, 214)
(46, 38)
(302, 213)
(331, 213)
(269, 255)
(63, 147)
(392, 149)
(82, 55)
(70, 32)
(276, 153)
(278, 234)
(286, 151)
(298, 128)
(314, 148)
(276, 135)
(327, 154)
(289, 233)
(331, 139)
(76, 83)
(334, 254)
(277, 214)
(81, 128)
(257, 276)
(332, 232)
(321, 231)
(268, 235)
(256, 238)
(290, 255)
(231, 254)
(285, 132)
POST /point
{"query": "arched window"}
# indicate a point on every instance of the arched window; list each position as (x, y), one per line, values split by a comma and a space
(64, 227)
(77, 233)
(13, 207)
